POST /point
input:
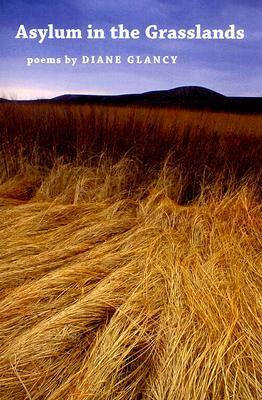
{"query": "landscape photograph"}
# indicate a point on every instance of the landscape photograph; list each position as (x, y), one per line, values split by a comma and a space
(130, 201)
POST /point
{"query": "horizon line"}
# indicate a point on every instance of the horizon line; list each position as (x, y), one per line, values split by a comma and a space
(49, 95)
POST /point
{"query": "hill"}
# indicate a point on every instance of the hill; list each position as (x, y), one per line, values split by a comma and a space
(188, 97)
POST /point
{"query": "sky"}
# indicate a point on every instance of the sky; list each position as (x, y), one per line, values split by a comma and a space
(231, 67)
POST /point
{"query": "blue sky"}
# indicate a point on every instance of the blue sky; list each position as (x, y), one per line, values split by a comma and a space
(230, 67)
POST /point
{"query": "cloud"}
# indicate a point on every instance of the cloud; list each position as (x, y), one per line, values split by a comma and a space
(137, 13)
(25, 92)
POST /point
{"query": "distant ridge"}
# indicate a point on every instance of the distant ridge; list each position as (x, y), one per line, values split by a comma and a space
(189, 91)
(189, 97)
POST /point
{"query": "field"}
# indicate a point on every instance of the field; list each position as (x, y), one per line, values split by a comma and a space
(130, 253)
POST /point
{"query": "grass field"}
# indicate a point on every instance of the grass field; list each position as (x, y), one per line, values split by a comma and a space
(130, 254)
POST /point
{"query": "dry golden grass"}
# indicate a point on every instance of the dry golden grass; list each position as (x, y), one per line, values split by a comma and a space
(119, 281)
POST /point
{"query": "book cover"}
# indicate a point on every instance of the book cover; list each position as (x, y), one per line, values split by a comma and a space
(130, 200)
